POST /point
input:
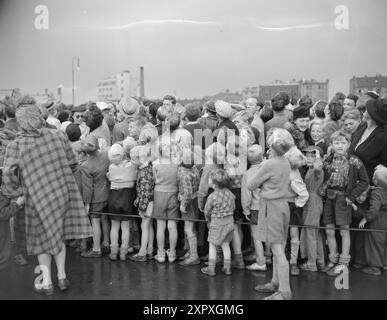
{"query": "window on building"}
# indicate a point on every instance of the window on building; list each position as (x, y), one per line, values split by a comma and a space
(122, 95)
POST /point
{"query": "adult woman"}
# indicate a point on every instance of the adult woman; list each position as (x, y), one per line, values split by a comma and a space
(94, 119)
(299, 127)
(351, 120)
(333, 112)
(369, 143)
(54, 209)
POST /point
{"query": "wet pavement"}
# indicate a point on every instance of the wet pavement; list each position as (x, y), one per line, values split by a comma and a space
(103, 279)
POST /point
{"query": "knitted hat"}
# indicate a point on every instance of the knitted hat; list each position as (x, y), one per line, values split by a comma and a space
(300, 112)
(73, 132)
(115, 149)
(380, 176)
(223, 109)
(90, 144)
(377, 109)
(129, 107)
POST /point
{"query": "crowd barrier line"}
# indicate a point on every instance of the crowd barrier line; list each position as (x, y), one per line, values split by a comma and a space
(239, 222)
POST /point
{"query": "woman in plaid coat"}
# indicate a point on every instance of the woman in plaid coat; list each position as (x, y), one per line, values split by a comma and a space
(39, 164)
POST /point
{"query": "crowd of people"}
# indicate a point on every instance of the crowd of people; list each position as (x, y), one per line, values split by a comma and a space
(231, 183)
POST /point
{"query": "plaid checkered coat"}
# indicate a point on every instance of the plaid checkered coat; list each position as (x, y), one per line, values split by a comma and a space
(40, 167)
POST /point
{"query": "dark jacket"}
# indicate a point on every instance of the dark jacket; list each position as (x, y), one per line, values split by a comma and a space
(7, 210)
(202, 136)
(373, 151)
(357, 176)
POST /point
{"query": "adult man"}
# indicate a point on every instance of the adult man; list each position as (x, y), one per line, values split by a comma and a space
(281, 115)
(169, 103)
(52, 109)
(209, 120)
(350, 102)
(255, 106)
(128, 108)
(202, 136)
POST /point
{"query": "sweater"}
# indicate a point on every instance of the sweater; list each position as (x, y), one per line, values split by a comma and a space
(122, 176)
(272, 177)
(97, 165)
(165, 176)
(298, 193)
(249, 199)
(188, 180)
(220, 204)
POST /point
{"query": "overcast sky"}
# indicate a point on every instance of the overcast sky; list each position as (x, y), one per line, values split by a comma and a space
(192, 47)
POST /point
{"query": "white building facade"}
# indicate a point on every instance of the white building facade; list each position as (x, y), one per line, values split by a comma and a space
(115, 88)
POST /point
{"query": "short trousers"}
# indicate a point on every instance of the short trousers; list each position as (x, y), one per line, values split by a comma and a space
(254, 217)
(121, 201)
(238, 212)
(218, 234)
(97, 207)
(295, 215)
(192, 210)
(165, 205)
(337, 212)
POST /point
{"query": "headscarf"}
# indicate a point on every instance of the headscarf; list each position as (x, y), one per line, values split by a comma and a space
(29, 118)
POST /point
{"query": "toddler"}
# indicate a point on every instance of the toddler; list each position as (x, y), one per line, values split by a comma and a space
(219, 211)
(140, 156)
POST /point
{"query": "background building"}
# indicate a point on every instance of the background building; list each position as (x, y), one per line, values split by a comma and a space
(248, 92)
(317, 90)
(360, 85)
(267, 92)
(115, 88)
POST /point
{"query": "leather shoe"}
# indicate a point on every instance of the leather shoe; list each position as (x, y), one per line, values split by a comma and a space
(63, 284)
(374, 271)
(48, 291)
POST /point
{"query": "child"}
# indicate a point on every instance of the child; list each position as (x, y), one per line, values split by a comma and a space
(97, 165)
(165, 203)
(376, 218)
(250, 204)
(8, 209)
(345, 178)
(215, 157)
(188, 179)
(298, 197)
(140, 156)
(316, 128)
(122, 175)
(219, 211)
(273, 221)
(313, 209)
(235, 165)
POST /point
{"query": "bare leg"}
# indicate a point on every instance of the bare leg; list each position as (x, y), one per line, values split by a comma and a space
(60, 261)
(45, 267)
(96, 225)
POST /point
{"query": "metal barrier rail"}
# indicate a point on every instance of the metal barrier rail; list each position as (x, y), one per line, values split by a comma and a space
(238, 222)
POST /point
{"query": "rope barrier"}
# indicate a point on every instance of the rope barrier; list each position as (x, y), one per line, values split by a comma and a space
(238, 222)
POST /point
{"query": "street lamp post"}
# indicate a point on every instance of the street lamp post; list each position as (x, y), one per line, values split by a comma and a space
(75, 59)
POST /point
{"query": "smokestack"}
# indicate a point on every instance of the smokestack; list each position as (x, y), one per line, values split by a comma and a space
(142, 89)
